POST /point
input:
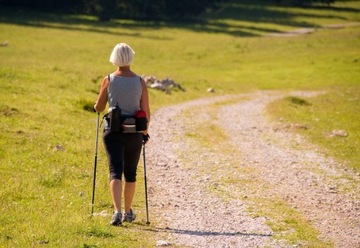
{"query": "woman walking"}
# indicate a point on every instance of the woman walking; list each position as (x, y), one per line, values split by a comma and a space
(127, 91)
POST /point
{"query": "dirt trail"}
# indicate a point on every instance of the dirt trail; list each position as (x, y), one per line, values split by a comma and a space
(310, 30)
(193, 200)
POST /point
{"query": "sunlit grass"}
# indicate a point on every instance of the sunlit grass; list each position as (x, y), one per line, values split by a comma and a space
(50, 73)
(339, 109)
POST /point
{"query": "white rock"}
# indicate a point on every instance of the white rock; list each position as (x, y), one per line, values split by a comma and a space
(339, 133)
(162, 243)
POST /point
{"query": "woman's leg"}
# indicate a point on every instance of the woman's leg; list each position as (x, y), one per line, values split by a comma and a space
(129, 193)
(131, 158)
(115, 153)
(115, 190)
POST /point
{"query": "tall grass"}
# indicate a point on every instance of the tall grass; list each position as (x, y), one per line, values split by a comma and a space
(51, 70)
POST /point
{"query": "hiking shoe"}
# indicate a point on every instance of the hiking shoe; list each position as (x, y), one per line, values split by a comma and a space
(116, 219)
(129, 217)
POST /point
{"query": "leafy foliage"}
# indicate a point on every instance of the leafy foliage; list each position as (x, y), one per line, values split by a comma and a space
(130, 9)
(141, 9)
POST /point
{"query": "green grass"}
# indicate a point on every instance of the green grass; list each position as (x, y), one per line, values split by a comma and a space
(339, 109)
(50, 73)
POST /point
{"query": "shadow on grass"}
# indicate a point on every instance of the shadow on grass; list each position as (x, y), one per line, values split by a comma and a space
(247, 11)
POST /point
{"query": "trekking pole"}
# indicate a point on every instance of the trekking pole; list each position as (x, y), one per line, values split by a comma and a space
(146, 196)
(95, 163)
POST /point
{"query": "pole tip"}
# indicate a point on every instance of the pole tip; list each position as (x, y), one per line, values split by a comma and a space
(148, 223)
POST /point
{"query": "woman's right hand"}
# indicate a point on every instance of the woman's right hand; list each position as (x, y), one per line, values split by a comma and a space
(146, 138)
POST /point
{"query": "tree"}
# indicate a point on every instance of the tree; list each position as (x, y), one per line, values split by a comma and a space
(129, 9)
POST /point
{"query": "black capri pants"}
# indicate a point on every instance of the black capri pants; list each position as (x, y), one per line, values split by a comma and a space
(123, 151)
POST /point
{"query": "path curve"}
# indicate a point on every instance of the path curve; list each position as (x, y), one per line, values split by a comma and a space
(184, 178)
(310, 30)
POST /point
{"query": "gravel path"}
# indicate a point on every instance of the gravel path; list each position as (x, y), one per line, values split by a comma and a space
(305, 31)
(195, 196)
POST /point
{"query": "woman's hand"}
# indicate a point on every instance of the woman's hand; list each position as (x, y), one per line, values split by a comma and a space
(146, 137)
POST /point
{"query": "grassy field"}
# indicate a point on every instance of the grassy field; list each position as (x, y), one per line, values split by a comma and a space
(51, 69)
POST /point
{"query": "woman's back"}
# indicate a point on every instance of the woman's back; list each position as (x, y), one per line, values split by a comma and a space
(126, 92)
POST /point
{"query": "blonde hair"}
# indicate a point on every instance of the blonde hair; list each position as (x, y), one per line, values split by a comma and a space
(122, 55)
